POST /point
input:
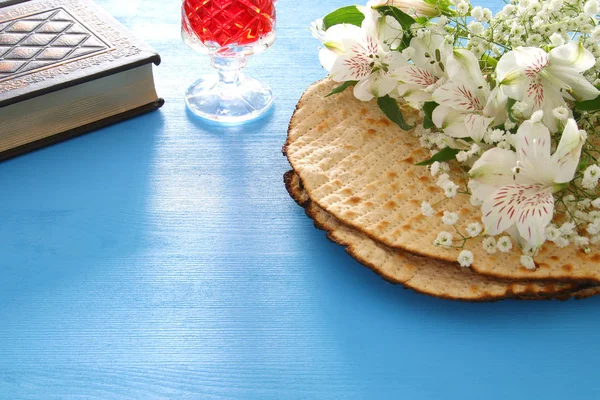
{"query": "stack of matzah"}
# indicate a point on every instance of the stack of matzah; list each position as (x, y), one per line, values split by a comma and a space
(354, 173)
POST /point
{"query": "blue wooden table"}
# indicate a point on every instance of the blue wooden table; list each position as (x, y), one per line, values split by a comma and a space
(162, 258)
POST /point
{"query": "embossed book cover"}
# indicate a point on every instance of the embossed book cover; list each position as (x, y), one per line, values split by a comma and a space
(66, 68)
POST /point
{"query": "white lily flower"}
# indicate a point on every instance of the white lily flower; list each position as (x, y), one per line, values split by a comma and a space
(463, 109)
(355, 54)
(517, 187)
(545, 80)
(427, 72)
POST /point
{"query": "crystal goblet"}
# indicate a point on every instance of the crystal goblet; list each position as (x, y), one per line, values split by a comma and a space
(228, 31)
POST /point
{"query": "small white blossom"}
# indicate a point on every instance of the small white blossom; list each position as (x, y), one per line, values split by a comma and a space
(596, 203)
(426, 209)
(462, 156)
(581, 241)
(527, 262)
(489, 245)
(557, 39)
(443, 239)
(537, 116)
(590, 177)
(450, 218)
(477, 13)
(594, 227)
(476, 28)
(552, 233)
(443, 179)
(568, 228)
(509, 125)
(520, 108)
(462, 8)
(561, 113)
(475, 201)
(562, 242)
(465, 258)
(435, 168)
(450, 189)
(504, 244)
(474, 229)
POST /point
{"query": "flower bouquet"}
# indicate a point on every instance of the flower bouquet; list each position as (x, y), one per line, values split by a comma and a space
(487, 155)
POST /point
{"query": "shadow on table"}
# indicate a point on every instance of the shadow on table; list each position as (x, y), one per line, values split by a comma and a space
(225, 128)
(74, 205)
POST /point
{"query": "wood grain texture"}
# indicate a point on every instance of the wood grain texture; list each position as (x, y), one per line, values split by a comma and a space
(163, 259)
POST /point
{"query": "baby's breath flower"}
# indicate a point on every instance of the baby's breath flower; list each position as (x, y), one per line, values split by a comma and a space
(465, 258)
(520, 108)
(527, 262)
(475, 201)
(426, 209)
(462, 156)
(537, 116)
(435, 168)
(509, 125)
(581, 241)
(489, 245)
(450, 218)
(442, 179)
(462, 8)
(568, 228)
(590, 177)
(474, 229)
(477, 13)
(475, 28)
(561, 113)
(443, 239)
(450, 189)
(504, 244)
(557, 39)
(596, 203)
(552, 233)
(562, 242)
(594, 227)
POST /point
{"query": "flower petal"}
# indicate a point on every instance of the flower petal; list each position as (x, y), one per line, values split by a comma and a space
(458, 96)
(415, 75)
(566, 157)
(494, 167)
(574, 82)
(463, 66)
(476, 125)
(535, 213)
(533, 144)
(573, 55)
(502, 209)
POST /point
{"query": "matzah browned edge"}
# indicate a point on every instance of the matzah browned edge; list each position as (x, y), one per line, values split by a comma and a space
(549, 290)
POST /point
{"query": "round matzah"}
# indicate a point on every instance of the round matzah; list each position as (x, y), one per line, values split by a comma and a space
(428, 276)
(358, 166)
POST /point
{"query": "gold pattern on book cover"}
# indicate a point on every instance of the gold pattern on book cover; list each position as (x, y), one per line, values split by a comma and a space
(41, 40)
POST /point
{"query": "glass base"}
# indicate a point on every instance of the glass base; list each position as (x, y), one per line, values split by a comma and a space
(237, 102)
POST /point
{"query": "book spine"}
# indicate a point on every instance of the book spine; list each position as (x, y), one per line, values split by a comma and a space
(6, 3)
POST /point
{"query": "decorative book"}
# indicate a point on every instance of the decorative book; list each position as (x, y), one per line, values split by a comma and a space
(67, 68)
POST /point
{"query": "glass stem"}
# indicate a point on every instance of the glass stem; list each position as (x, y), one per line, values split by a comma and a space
(229, 69)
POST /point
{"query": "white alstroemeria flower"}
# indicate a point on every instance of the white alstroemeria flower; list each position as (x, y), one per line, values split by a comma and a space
(466, 105)
(388, 30)
(355, 54)
(544, 80)
(517, 187)
(427, 72)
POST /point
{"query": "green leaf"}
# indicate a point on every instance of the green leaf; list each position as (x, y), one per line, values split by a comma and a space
(510, 104)
(345, 15)
(428, 108)
(403, 18)
(342, 87)
(446, 154)
(391, 110)
(588, 105)
(491, 61)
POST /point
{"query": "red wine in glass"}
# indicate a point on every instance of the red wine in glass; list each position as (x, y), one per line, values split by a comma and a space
(228, 31)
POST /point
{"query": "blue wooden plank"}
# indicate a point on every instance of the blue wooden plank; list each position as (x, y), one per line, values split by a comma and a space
(162, 258)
